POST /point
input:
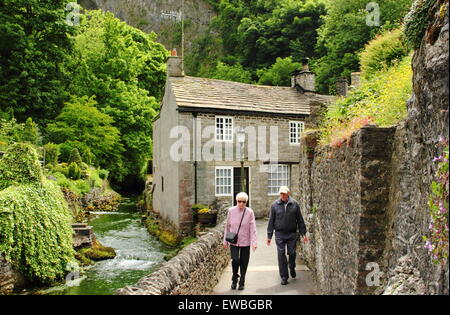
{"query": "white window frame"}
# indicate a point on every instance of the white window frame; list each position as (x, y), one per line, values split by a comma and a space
(296, 129)
(224, 136)
(282, 178)
(216, 186)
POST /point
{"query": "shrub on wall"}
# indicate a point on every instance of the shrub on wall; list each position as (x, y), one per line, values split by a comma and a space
(20, 165)
(383, 52)
(35, 230)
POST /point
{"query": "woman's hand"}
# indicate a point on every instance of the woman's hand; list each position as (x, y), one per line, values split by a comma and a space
(254, 247)
(226, 246)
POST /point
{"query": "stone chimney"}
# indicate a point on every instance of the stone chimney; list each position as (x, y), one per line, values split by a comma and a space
(304, 78)
(175, 65)
(342, 86)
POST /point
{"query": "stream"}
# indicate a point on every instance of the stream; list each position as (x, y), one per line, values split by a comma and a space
(138, 253)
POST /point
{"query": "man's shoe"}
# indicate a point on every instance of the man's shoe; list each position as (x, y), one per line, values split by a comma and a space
(293, 273)
(284, 282)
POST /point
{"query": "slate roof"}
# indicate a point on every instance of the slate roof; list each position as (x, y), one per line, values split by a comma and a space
(202, 93)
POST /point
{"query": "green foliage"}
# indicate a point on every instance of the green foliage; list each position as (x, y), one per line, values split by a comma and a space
(380, 100)
(345, 32)
(416, 22)
(383, 52)
(75, 156)
(20, 165)
(11, 132)
(52, 153)
(35, 230)
(279, 74)
(232, 73)
(125, 69)
(35, 45)
(30, 132)
(84, 128)
(74, 171)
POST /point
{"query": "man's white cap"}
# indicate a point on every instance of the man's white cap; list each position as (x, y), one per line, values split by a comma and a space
(284, 190)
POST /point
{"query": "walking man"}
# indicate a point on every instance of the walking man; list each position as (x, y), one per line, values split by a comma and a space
(286, 219)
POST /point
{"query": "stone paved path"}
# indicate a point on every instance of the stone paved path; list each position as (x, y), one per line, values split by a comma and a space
(262, 274)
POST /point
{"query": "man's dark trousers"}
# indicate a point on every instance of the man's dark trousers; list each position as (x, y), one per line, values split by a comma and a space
(283, 241)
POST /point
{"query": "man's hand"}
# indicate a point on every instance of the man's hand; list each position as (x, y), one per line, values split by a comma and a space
(305, 239)
(269, 241)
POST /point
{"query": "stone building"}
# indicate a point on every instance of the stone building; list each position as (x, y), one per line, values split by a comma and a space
(210, 131)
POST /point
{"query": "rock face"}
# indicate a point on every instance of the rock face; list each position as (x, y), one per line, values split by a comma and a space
(366, 204)
(416, 146)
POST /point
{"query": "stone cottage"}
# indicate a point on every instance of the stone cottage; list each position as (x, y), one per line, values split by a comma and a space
(211, 132)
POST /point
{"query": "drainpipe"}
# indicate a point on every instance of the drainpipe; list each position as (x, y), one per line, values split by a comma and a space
(194, 142)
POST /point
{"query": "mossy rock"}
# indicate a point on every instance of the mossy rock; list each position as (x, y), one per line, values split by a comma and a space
(97, 252)
(169, 238)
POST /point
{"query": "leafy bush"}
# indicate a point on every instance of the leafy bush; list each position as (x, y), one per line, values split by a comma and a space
(20, 165)
(75, 156)
(279, 74)
(103, 174)
(234, 73)
(380, 100)
(383, 52)
(74, 171)
(65, 149)
(35, 229)
(51, 153)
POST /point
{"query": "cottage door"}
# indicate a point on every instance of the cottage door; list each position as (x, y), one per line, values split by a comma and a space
(237, 183)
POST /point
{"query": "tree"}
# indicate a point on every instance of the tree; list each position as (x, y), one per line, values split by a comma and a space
(279, 74)
(34, 47)
(82, 125)
(125, 69)
(232, 73)
(344, 34)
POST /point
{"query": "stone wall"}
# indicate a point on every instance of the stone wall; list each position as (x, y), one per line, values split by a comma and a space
(344, 204)
(10, 279)
(194, 271)
(368, 200)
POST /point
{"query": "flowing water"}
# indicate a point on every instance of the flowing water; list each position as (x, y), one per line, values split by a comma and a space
(138, 253)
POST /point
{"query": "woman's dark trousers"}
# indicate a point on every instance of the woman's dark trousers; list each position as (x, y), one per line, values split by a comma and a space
(240, 257)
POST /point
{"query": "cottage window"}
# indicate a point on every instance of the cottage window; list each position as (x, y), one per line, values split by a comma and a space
(224, 128)
(224, 180)
(295, 130)
(278, 176)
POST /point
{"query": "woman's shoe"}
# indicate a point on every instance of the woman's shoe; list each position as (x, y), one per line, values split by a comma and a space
(241, 287)
(233, 285)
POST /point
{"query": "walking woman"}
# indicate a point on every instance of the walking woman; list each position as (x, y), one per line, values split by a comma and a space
(240, 223)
